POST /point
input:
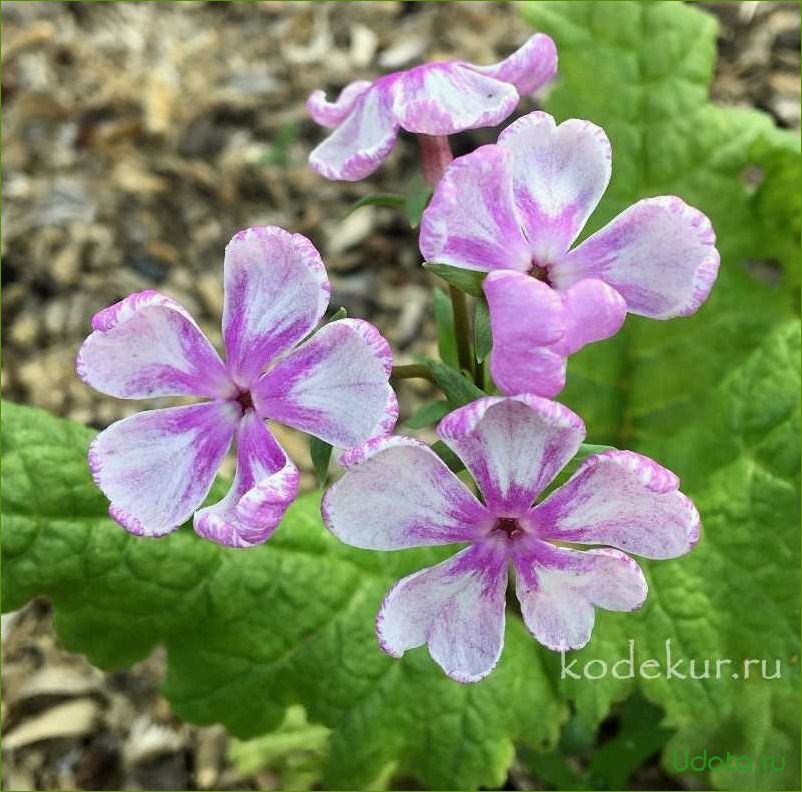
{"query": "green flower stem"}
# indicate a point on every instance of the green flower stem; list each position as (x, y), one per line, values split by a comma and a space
(462, 329)
(412, 371)
(479, 375)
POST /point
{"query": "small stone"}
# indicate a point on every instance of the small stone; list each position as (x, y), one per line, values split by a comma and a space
(402, 53)
(24, 331)
(210, 291)
(351, 231)
(72, 719)
(363, 45)
(67, 265)
(55, 316)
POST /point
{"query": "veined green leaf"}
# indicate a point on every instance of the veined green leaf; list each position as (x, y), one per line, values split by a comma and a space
(444, 320)
(249, 633)
(468, 281)
(428, 414)
(377, 199)
(320, 453)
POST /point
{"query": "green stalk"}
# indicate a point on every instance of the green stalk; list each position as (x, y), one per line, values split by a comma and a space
(479, 375)
(412, 371)
(462, 329)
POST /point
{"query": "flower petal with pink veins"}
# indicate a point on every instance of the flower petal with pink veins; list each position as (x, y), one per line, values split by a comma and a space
(276, 291)
(527, 321)
(470, 221)
(363, 140)
(513, 446)
(265, 484)
(157, 467)
(444, 98)
(456, 607)
(330, 114)
(592, 311)
(334, 386)
(398, 493)
(559, 589)
(530, 67)
(148, 345)
(659, 254)
(625, 500)
(559, 174)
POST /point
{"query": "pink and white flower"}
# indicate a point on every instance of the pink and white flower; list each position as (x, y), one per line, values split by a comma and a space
(157, 467)
(432, 99)
(514, 209)
(397, 493)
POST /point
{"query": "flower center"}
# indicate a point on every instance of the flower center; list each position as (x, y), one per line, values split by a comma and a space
(540, 273)
(244, 400)
(509, 526)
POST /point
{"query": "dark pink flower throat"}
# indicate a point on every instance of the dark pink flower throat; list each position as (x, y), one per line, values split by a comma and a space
(509, 526)
(244, 400)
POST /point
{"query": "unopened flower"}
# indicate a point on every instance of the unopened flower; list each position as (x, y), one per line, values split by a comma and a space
(397, 493)
(515, 208)
(433, 99)
(157, 467)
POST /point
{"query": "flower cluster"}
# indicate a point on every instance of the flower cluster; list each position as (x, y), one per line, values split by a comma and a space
(511, 212)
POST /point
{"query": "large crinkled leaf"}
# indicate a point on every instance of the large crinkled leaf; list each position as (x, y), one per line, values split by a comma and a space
(736, 596)
(249, 632)
(651, 64)
(715, 396)
(739, 595)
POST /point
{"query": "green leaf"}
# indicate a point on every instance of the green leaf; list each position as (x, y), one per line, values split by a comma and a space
(320, 454)
(468, 281)
(740, 464)
(482, 335)
(416, 200)
(578, 737)
(639, 737)
(377, 199)
(448, 456)
(690, 392)
(446, 336)
(553, 769)
(249, 633)
(295, 752)
(459, 390)
(340, 313)
(585, 450)
(667, 138)
(281, 145)
(428, 414)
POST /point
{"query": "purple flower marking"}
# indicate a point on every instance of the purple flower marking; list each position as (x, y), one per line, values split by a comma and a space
(433, 99)
(157, 467)
(397, 493)
(514, 209)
